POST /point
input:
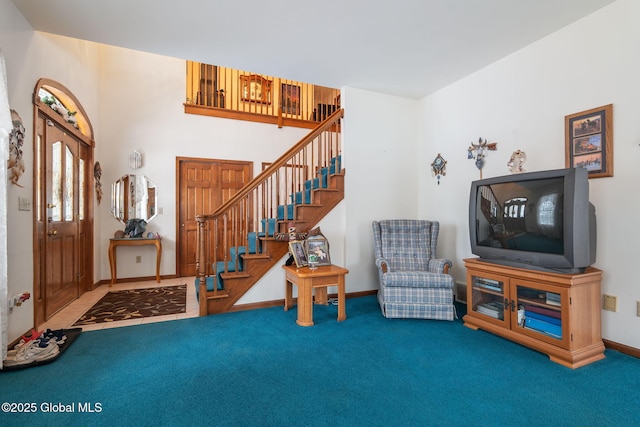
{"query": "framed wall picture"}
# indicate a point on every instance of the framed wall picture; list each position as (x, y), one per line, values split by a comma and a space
(290, 99)
(299, 255)
(255, 88)
(318, 247)
(589, 141)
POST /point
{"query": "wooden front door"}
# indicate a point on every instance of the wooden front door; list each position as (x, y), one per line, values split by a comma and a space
(203, 186)
(63, 224)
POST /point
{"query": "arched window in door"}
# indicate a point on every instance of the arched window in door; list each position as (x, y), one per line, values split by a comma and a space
(64, 104)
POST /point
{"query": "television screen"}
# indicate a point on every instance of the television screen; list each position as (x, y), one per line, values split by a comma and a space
(525, 215)
(540, 220)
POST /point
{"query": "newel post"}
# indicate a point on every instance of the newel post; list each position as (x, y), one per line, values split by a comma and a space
(200, 262)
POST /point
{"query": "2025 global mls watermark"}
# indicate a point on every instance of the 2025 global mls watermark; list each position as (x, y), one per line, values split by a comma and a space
(32, 407)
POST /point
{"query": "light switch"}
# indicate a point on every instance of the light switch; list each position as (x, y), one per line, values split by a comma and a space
(24, 204)
(610, 302)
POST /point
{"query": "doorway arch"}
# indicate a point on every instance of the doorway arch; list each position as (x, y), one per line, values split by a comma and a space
(63, 146)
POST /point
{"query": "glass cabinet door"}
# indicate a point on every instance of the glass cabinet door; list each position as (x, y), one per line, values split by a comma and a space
(488, 297)
(540, 312)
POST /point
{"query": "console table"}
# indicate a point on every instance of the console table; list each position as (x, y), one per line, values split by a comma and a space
(307, 280)
(114, 243)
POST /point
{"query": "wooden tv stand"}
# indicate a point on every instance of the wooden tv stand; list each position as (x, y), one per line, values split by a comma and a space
(556, 314)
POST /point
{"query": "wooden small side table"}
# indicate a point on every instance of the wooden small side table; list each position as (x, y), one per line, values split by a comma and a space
(307, 280)
(113, 243)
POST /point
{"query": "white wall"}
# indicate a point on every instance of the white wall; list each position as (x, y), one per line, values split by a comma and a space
(521, 102)
(380, 133)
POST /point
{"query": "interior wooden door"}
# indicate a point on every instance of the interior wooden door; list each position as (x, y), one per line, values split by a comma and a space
(203, 186)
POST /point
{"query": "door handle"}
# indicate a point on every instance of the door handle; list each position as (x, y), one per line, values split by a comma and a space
(50, 206)
(52, 232)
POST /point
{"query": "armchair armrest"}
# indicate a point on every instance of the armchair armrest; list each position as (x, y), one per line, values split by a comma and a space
(382, 265)
(440, 265)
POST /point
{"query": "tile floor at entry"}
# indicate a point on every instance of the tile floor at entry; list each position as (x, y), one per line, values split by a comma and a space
(71, 313)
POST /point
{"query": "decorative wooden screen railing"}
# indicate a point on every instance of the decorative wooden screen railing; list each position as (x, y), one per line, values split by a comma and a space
(266, 204)
(226, 92)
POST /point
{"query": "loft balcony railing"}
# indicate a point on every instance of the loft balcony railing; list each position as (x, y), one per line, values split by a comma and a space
(218, 91)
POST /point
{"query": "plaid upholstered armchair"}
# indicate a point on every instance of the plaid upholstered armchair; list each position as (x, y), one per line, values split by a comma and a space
(413, 282)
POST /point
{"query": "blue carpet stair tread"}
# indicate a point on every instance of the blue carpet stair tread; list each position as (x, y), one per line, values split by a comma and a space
(301, 197)
(268, 227)
(235, 253)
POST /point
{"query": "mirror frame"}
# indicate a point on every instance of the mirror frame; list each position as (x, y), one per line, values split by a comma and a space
(138, 188)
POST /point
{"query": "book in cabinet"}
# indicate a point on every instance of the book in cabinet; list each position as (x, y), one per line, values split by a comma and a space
(556, 314)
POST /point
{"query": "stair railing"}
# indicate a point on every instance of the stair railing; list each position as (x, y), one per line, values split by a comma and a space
(491, 207)
(264, 204)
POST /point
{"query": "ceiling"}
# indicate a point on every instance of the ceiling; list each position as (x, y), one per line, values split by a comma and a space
(408, 48)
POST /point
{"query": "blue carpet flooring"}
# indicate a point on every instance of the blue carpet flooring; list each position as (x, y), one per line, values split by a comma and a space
(258, 368)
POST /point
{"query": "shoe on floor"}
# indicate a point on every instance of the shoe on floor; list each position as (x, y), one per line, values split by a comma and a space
(58, 335)
(33, 351)
(28, 337)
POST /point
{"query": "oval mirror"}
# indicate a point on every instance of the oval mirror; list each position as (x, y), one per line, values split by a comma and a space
(134, 196)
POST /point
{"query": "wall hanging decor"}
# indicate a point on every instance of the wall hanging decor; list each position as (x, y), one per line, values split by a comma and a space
(97, 174)
(135, 160)
(15, 164)
(477, 152)
(516, 162)
(290, 99)
(439, 167)
(255, 88)
(589, 141)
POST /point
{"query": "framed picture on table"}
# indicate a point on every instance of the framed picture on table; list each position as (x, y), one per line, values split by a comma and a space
(317, 247)
(296, 248)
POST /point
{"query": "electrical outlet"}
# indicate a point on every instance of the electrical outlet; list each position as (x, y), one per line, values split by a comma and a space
(610, 302)
(138, 259)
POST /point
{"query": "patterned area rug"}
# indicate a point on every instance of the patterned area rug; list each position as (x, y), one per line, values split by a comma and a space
(136, 304)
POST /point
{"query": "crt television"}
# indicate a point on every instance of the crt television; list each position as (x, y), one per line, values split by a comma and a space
(536, 220)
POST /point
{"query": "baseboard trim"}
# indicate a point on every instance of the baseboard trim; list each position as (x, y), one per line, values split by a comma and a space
(631, 351)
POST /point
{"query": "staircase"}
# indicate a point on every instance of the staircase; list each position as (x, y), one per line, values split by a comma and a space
(238, 243)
